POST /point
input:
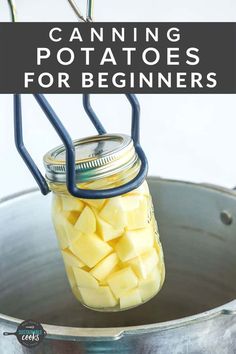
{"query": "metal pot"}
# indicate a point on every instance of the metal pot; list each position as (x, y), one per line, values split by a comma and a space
(194, 313)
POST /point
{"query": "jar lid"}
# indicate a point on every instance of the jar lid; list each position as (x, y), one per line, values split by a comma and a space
(96, 157)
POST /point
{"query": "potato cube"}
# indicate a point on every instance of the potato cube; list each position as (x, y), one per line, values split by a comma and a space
(113, 213)
(94, 203)
(77, 294)
(150, 286)
(64, 230)
(122, 281)
(105, 267)
(71, 216)
(144, 264)
(101, 297)
(134, 243)
(90, 249)
(70, 276)
(84, 279)
(70, 203)
(113, 242)
(107, 231)
(56, 204)
(143, 190)
(130, 298)
(61, 235)
(137, 218)
(131, 202)
(71, 260)
(86, 223)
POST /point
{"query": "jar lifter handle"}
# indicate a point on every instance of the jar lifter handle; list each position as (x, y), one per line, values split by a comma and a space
(70, 151)
(19, 142)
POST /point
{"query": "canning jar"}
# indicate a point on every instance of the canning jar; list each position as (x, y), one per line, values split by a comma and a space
(111, 247)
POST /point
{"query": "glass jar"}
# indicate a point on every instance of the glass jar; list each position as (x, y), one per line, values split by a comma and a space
(111, 247)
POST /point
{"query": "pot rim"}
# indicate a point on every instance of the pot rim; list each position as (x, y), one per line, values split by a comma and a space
(115, 333)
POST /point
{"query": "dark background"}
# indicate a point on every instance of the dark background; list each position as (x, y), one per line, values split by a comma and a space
(19, 41)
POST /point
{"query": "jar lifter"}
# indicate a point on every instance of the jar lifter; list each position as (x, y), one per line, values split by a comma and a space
(67, 141)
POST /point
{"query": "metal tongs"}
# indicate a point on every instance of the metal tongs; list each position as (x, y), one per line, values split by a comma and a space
(66, 139)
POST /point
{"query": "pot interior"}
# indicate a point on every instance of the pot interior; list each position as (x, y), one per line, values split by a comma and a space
(200, 256)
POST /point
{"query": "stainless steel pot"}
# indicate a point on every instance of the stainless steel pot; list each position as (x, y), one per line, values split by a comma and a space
(194, 313)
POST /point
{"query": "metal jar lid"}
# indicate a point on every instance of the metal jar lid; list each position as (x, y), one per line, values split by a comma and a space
(96, 157)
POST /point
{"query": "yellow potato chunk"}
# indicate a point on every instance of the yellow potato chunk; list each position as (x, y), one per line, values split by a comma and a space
(144, 264)
(70, 276)
(130, 298)
(143, 190)
(150, 286)
(134, 243)
(86, 223)
(137, 217)
(90, 249)
(95, 203)
(72, 204)
(71, 232)
(131, 202)
(61, 235)
(113, 213)
(77, 294)
(56, 204)
(64, 229)
(107, 231)
(72, 216)
(122, 281)
(101, 297)
(113, 242)
(60, 224)
(105, 267)
(84, 279)
(71, 260)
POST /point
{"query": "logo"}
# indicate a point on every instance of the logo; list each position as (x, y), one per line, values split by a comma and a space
(29, 333)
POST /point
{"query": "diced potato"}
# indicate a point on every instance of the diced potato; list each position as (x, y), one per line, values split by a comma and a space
(56, 204)
(144, 264)
(113, 213)
(84, 279)
(101, 297)
(70, 276)
(61, 235)
(107, 231)
(71, 232)
(72, 216)
(64, 229)
(162, 270)
(105, 267)
(86, 222)
(113, 242)
(77, 294)
(95, 203)
(159, 249)
(122, 281)
(90, 249)
(150, 286)
(143, 190)
(71, 260)
(138, 218)
(70, 203)
(130, 298)
(134, 243)
(131, 202)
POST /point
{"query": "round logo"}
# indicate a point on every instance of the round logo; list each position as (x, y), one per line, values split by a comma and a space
(29, 333)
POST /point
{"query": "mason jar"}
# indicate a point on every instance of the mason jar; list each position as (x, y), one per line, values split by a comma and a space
(111, 247)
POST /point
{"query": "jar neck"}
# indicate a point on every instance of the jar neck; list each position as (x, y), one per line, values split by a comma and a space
(114, 180)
